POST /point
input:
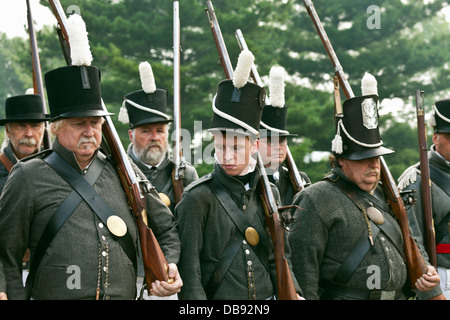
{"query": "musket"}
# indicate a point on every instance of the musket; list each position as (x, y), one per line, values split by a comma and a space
(135, 187)
(430, 237)
(274, 219)
(224, 61)
(38, 86)
(179, 169)
(296, 179)
(415, 262)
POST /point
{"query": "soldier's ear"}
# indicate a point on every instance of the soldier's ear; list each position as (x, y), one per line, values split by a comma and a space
(254, 146)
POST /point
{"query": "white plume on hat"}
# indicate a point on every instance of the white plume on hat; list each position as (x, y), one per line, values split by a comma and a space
(80, 52)
(243, 68)
(147, 78)
(369, 85)
(276, 86)
(148, 85)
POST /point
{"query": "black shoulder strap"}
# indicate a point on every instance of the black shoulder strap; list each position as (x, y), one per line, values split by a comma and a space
(91, 197)
(234, 243)
(355, 257)
(59, 218)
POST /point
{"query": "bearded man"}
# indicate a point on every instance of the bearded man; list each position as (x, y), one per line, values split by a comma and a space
(24, 130)
(145, 112)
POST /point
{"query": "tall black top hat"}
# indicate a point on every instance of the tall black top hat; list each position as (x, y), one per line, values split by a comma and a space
(147, 105)
(440, 119)
(238, 104)
(273, 120)
(24, 108)
(74, 91)
(357, 132)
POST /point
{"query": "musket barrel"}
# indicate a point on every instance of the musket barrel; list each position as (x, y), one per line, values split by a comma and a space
(329, 49)
(429, 232)
(176, 91)
(225, 59)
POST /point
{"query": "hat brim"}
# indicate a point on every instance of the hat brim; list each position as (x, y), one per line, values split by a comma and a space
(4, 121)
(230, 131)
(150, 121)
(442, 129)
(366, 154)
(82, 114)
(268, 133)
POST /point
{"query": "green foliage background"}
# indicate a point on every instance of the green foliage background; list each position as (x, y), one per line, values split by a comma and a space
(409, 51)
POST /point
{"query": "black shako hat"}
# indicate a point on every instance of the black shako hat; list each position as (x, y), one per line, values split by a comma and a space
(147, 105)
(440, 119)
(273, 120)
(74, 91)
(357, 132)
(238, 110)
(24, 108)
(146, 108)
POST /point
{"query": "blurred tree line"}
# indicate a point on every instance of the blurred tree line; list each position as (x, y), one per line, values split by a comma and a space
(407, 48)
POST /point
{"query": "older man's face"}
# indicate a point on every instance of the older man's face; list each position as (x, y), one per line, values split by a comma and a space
(82, 136)
(442, 144)
(25, 137)
(364, 173)
(150, 142)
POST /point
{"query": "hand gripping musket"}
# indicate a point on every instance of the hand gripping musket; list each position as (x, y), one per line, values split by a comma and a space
(430, 240)
(37, 74)
(273, 214)
(178, 159)
(135, 187)
(296, 179)
(414, 260)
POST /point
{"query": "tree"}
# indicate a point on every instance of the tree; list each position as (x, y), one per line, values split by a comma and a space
(407, 52)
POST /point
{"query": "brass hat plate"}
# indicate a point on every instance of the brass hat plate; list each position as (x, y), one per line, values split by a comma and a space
(375, 215)
(252, 236)
(116, 226)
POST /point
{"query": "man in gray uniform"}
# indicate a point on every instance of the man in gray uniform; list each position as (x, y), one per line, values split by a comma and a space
(77, 251)
(349, 245)
(24, 129)
(149, 135)
(227, 252)
(439, 162)
(273, 141)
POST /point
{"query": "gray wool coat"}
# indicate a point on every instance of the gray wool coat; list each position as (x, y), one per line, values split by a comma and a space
(84, 255)
(330, 225)
(205, 229)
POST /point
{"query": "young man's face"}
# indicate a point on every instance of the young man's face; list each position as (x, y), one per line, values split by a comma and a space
(234, 152)
(273, 151)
